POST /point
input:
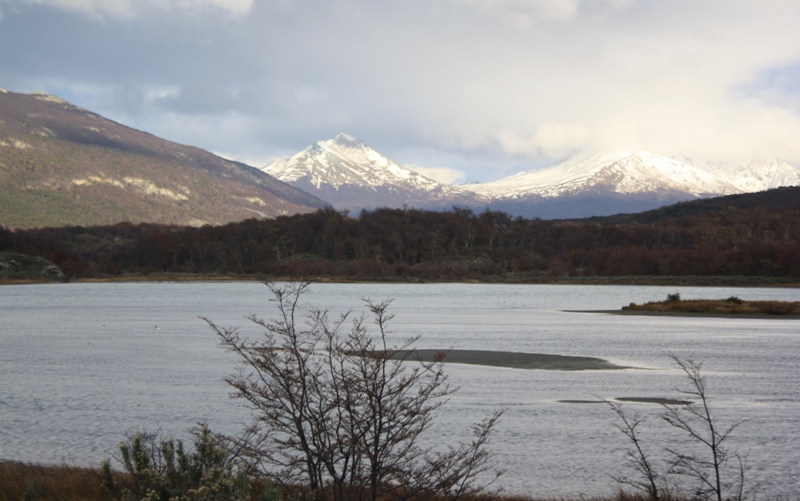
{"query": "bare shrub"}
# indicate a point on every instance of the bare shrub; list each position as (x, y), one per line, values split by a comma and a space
(648, 479)
(336, 410)
(710, 469)
(715, 471)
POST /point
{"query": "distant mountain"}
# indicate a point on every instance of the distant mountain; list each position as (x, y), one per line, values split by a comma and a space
(63, 165)
(350, 175)
(598, 185)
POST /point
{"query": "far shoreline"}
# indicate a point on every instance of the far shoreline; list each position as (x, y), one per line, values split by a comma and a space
(637, 281)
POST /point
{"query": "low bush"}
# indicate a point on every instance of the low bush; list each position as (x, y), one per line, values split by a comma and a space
(158, 469)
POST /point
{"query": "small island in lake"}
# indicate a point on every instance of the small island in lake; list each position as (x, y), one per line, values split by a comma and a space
(731, 306)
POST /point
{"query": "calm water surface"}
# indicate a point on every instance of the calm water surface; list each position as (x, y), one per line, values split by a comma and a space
(81, 364)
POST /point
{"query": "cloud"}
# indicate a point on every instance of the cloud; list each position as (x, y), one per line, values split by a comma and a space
(128, 9)
(561, 10)
(442, 174)
(482, 87)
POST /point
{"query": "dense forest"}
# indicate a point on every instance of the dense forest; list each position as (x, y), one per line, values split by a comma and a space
(730, 236)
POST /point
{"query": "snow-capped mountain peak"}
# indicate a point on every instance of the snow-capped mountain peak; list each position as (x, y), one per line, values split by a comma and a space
(348, 173)
(624, 173)
(344, 160)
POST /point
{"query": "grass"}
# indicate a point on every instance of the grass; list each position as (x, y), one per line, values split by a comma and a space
(20, 481)
(730, 306)
(23, 482)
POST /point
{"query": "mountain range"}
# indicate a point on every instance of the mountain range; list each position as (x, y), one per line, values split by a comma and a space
(63, 165)
(350, 175)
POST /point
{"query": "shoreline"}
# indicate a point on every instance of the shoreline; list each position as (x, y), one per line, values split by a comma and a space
(639, 281)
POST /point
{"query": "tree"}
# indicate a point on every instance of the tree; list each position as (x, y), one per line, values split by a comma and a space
(649, 480)
(701, 425)
(707, 464)
(344, 412)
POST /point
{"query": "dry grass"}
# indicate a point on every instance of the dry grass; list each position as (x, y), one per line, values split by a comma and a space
(22, 482)
(732, 306)
(19, 481)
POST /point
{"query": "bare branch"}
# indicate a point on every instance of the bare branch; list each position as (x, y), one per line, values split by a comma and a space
(336, 407)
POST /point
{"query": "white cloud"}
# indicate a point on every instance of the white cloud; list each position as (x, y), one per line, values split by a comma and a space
(484, 87)
(128, 9)
(153, 94)
(524, 11)
(444, 175)
(658, 75)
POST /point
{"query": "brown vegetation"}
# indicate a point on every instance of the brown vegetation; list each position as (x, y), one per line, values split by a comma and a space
(754, 244)
(732, 305)
(20, 481)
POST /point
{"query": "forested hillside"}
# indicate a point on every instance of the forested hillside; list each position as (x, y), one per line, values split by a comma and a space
(407, 244)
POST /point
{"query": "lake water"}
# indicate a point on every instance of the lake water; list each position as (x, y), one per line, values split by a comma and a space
(82, 364)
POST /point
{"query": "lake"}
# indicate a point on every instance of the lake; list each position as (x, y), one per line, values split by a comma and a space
(82, 364)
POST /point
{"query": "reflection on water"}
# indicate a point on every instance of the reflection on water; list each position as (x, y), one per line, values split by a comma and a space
(81, 364)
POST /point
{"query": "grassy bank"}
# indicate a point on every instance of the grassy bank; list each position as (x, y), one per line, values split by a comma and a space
(20, 481)
(730, 306)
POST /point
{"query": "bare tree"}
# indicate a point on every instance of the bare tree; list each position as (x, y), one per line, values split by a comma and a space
(345, 412)
(700, 424)
(707, 464)
(649, 480)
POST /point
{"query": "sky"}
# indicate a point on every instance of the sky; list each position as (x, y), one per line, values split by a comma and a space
(457, 89)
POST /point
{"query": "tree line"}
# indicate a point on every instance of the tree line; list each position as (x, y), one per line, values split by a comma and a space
(410, 244)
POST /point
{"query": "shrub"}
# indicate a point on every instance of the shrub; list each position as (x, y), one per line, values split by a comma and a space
(717, 473)
(343, 412)
(162, 470)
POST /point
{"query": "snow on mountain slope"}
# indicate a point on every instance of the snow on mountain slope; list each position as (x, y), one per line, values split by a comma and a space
(348, 174)
(345, 160)
(758, 175)
(623, 173)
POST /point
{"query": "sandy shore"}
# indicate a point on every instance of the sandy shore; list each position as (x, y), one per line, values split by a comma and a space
(513, 360)
(688, 315)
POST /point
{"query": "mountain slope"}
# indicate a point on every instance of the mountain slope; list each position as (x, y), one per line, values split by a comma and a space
(758, 175)
(350, 175)
(63, 165)
(786, 198)
(598, 185)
